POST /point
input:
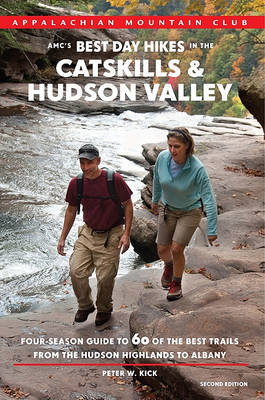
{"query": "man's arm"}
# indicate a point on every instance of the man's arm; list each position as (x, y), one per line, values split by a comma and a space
(69, 219)
(128, 213)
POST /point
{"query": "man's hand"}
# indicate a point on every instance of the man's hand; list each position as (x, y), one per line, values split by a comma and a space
(60, 247)
(211, 239)
(69, 218)
(155, 208)
(124, 242)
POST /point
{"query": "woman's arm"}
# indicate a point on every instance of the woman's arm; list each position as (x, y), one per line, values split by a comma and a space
(156, 184)
(208, 199)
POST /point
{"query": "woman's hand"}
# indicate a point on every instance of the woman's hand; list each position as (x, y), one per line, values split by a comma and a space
(155, 208)
(211, 239)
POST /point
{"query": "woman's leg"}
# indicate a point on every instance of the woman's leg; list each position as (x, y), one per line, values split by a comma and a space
(164, 252)
(186, 225)
(177, 251)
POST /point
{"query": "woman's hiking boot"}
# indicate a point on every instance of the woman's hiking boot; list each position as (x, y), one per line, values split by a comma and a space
(175, 291)
(167, 276)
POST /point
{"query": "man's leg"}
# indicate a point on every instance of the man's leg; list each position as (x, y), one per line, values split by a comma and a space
(81, 268)
(106, 261)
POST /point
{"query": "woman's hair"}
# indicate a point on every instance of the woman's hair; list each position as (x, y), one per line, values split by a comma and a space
(183, 135)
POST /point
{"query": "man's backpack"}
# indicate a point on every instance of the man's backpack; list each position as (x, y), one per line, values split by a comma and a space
(111, 190)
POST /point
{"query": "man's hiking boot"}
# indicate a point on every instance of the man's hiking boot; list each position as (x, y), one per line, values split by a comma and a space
(175, 291)
(166, 278)
(102, 317)
(81, 315)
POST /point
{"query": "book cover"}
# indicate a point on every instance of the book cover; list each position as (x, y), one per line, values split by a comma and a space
(120, 76)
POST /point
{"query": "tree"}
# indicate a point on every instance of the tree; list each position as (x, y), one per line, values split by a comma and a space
(220, 59)
(198, 7)
(236, 72)
(225, 7)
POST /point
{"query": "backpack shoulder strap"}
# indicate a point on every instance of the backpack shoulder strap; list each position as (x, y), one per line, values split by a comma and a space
(110, 184)
(113, 193)
(80, 184)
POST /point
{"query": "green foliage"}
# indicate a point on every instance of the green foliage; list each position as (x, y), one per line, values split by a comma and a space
(233, 56)
(218, 108)
(251, 48)
(236, 110)
(230, 108)
(43, 63)
(100, 6)
(24, 7)
(9, 7)
(220, 60)
(7, 40)
(196, 7)
(169, 9)
(112, 12)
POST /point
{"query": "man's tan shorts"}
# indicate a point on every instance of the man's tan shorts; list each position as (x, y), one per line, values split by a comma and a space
(179, 226)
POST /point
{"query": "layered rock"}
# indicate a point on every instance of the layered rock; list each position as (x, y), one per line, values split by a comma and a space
(221, 126)
(11, 107)
(225, 320)
(32, 55)
(252, 92)
(143, 234)
(19, 62)
(19, 92)
(56, 321)
(29, 47)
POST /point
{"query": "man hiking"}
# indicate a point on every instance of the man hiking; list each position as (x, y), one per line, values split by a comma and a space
(106, 201)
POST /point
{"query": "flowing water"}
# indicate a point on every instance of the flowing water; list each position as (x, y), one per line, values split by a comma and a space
(38, 158)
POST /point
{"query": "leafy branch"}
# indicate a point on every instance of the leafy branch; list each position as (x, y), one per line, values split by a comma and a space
(256, 37)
